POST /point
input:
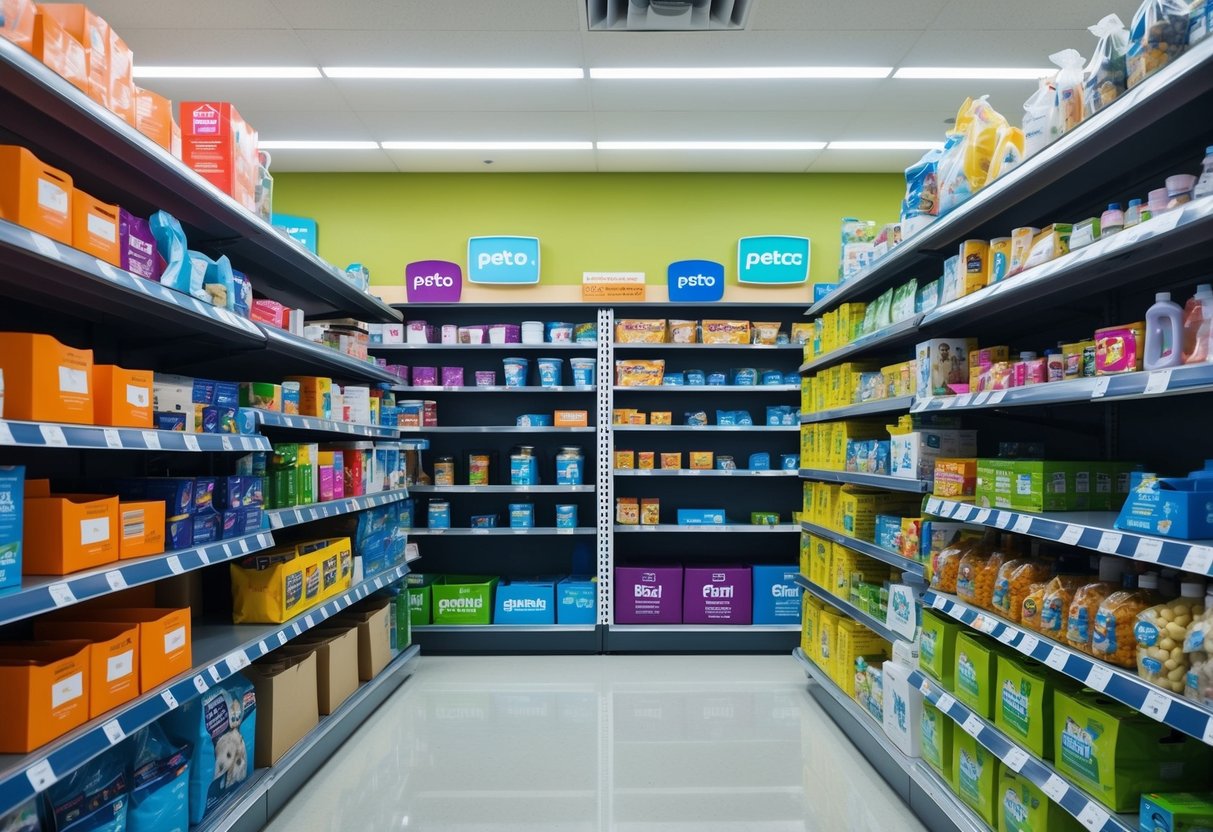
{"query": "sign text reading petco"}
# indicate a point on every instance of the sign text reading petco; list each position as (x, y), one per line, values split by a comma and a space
(503, 261)
(433, 281)
(696, 281)
(773, 261)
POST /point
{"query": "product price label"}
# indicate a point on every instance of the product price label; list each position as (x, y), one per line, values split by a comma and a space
(1099, 677)
(1007, 635)
(113, 732)
(1109, 541)
(1100, 388)
(227, 550)
(41, 775)
(1023, 524)
(1199, 559)
(1208, 734)
(191, 442)
(115, 580)
(1057, 658)
(108, 271)
(174, 564)
(244, 550)
(45, 246)
(1158, 382)
(262, 648)
(984, 624)
(6, 435)
(1028, 644)
(53, 435)
(964, 399)
(61, 594)
(152, 440)
(1071, 535)
(226, 442)
(1015, 758)
(200, 684)
(236, 661)
(112, 438)
(946, 701)
(920, 405)
(204, 556)
(938, 601)
(1002, 519)
(213, 670)
(997, 396)
(1148, 549)
(972, 725)
(281, 638)
(307, 620)
(1093, 817)
(170, 701)
(933, 506)
(981, 398)
(1055, 788)
(1156, 705)
(946, 402)
(275, 521)
(983, 517)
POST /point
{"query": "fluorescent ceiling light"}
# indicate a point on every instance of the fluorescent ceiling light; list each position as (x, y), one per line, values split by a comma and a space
(488, 145)
(726, 73)
(457, 73)
(973, 73)
(884, 145)
(226, 71)
(711, 145)
(309, 144)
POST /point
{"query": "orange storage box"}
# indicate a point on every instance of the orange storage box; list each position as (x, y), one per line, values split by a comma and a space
(165, 645)
(34, 195)
(43, 692)
(113, 664)
(95, 227)
(17, 22)
(154, 117)
(570, 418)
(60, 51)
(93, 33)
(68, 532)
(121, 397)
(122, 84)
(220, 146)
(45, 381)
(142, 529)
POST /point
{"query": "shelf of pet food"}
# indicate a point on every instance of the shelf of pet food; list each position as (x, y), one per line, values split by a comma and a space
(730, 528)
(1124, 686)
(931, 783)
(1059, 790)
(317, 358)
(581, 346)
(1086, 529)
(103, 154)
(219, 651)
(851, 610)
(399, 388)
(701, 472)
(1166, 242)
(863, 547)
(899, 404)
(87, 437)
(502, 489)
(871, 480)
(237, 807)
(662, 346)
(62, 279)
(1098, 151)
(280, 518)
(902, 332)
(42, 593)
(500, 531)
(709, 428)
(272, 419)
(495, 429)
(711, 388)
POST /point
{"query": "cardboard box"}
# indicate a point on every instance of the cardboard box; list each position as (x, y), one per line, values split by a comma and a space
(45, 380)
(154, 118)
(142, 529)
(648, 595)
(93, 34)
(373, 621)
(975, 772)
(12, 523)
(95, 227)
(1023, 806)
(287, 706)
(571, 419)
(701, 517)
(421, 599)
(122, 398)
(974, 674)
(60, 51)
(336, 652)
(937, 648)
(702, 460)
(68, 532)
(165, 645)
(776, 595)
(1184, 812)
(113, 658)
(221, 146)
(913, 455)
(936, 739)
(717, 595)
(461, 599)
(577, 601)
(902, 716)
(315, 395)
(122, 84)
(525, 602)
(1023, 703)
(1035, 485)
(942, 362)
(670, 461)
(35, 195)
(1171, 507)
(17, 23)
(43, 692)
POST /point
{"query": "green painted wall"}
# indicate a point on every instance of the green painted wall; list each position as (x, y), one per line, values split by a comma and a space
(585, 222)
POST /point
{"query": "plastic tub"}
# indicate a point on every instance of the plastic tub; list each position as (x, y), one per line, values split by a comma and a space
(505, 334)
(696, 378)
(583, 371)
(532, 332)
(566, 516)
(522, 516)
(516, 371)
(560, 332)
(486, 378)
(551, 371)
(417, 332)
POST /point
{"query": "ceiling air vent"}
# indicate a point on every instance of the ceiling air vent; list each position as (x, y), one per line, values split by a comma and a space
(666, 15)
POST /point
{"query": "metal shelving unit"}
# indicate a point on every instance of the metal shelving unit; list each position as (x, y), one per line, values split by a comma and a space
(97, 437)
(727, 528)
(849, 609)
(872, 480)
(865, 548)
(497, 388)
(502, 532)
(280, 518)
(700, 472)
(493, 429)
(706, 428)
(899, 334)
(579, 346)
(699, 638)
(873, 408)
(709, 388)
(285, 421)
(501, 489)
(509, 638)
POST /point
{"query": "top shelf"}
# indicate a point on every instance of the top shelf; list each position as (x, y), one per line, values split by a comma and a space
(55, 119)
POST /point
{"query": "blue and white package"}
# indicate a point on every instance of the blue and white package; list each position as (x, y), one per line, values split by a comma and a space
(771, 377)
(760, 462)
(717, 379)
(789, 462)
(170, 248)
(160, 795)
(784, 414)
(745, 376)
(522, 515)
(569, 469)
(534, 420)
(24, 818)
(583, 371)
(791, 378)
(566, 516)
(695, 418)
(550, 372)
(523, 470)
(674, 379)
(439, 514)
(12, 501)
(696, 378)
(93, 798)
(516, 371)
(726, 418)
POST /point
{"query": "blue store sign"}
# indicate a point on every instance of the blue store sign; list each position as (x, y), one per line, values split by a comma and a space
(696, 281)
(773, 261)
(504, 261)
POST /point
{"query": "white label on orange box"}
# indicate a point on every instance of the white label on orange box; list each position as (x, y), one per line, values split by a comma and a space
(94, 531)
(119, 666)
(137, 395)
(66, 690)
(174, 640)
(51, 196)
(102, 229)
(72, 380)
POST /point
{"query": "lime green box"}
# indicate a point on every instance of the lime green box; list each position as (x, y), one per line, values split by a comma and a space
(1183, 812)
(1116, 753)
(935, 739)
(975, 776)
(976, 658)
(463, 599)
(1023, 703)
(1035, 484)
(1025, 808)
(420, 598)
(937, 648)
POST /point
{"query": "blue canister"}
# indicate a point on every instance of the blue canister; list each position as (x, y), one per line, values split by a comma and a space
(716, 379)
(523, 470)
(771, 377)
(674, 380)
(745, 376)
(522, 516)
(566, 516)
(789, 462)
(516, 371)
(696, 378)
(484, 521)
(406, 513)
(570, 464)
(439, 514)
(760, 462)
(791, 378)
(583, 371)
(550, 371)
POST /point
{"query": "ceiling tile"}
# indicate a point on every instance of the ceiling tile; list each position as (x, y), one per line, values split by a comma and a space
(186, 14)
(705, 161)
(1032, 17)
(502, 161)
(994, 48)
(335, 161)
(771, 125)
(507, 125)
(222, 47)
(864, 161)
(383, 47)
(486, 97)
(301, 123)
(467, 15)
(318, 97)
(822, 15)
(762, 48)
(725, 97)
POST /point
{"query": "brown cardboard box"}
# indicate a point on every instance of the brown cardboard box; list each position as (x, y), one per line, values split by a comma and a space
(336, 664)
(286, 703)
(374, 636)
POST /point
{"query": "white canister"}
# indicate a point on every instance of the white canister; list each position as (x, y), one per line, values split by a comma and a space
(450, 334)
(532, 332)
(417, 332)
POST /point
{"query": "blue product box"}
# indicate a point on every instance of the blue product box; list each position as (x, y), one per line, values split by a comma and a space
(484, 521)
(211, 417)
(760, 462)
(782, 415)
(225, 394)
(170, 421)
(290, 399)
(696, 378)
(238, 522)
(745, 376)
(407, 509)
(577, 601)
(820, 290)
(246, 421)
(791, 378)
(789, 462)
(439, 514)
(12, 504)
(523, 470)
(717, 379)
(1171, 507)
(776, 595)
(568, 471)
(888, 532)
(522, 515)
(177, 493)
(772, 377)
(701, 517)
(525, 602)
(204, 494)
(674, 379)
(237, 492)
(566, 516)
(534, 420)
(206, 527)
(204, 391)
(178, 532)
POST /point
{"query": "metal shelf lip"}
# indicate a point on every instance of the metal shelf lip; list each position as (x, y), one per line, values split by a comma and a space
(760, 347)
(1095, 816)
(40, 594)
(223, 650)
(494, 429)
(318, 356)
(697, 472)
(731, 528)
(269, 418)
(865, 548)
(582, 345)
(873, 340)
(282, 517)
(705, 628)
(1086, 529)
(568, 388)
(710, 388)
(872, 480)
(502, 489)
(503, 531)
(1114, 682)
(710, 428)
(100, 437)
(504, 628)
(872, 408)
(851, 610)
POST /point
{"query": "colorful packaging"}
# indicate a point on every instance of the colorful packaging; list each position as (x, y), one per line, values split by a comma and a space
(221, 146)
(1023, 703)
(1119, 349)
(12, 501)
(936, 738)
(975, 772)
(1025, 808)
(974, 674)
(648, 595)
(937, 648)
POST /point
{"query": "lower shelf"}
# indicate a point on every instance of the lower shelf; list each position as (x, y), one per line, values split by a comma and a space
(508, 638)
(701, 638)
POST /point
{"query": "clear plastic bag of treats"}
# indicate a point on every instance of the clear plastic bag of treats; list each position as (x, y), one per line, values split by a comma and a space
(945, 565)
(1055, 604)
(1112, 639)
(1160, 633)
(1013, 584)
(1198, 648)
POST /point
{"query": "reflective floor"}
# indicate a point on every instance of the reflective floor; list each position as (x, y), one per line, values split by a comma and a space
(635, 743)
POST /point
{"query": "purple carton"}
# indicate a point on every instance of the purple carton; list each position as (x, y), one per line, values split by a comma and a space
(717, 595)
(452, 376)
(425, 376)
(648, 595)
(137, 246)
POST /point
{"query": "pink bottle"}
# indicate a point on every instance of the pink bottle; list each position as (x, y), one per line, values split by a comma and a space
(1164, 334)
(1198, 325)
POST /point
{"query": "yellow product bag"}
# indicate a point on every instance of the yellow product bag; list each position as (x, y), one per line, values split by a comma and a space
(275, 586)
(336, 563)
(1008, 151)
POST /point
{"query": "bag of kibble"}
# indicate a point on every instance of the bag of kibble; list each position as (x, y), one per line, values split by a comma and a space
(1159, 35)
(1112, 637)
(1160, 633)
(1030, 608)
(1103, 79)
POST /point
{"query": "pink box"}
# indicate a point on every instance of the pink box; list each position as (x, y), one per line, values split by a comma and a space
(486, 378)
(425, 376)
(648, 594)
(452, 376)
(326, 484)
(717, 595)
(338, 475)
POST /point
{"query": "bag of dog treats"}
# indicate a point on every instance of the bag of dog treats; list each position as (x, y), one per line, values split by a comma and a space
(1104, 79)
(159, 783)
(93, 797)
(1158, 35)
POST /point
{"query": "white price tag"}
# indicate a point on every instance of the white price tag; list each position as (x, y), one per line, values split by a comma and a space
(1071, 535)
(1093, 817)
(1148, 549)
(281, 638)
(227, 442)
(981, 398)
(1156, 705)
(214, 673)
(262, 648)
(236, 661)
(1158, 382)
(1007, 635)
(1057, 658)
(1109, 541)
(115, 579)
(248, 443)
(946, 402)
(1099, 677)
(227, 550)
(1055, 788)
(46, 246)
(275, 521)
(152, 440)
(933, 505)
(309, 622)
(174, 564)
(1002, 519)
(170, 701)
(1199, 559)
(191, 442)
(972, 725)
(113, 439)
(986, 625)
(6, 435)
(1101, 387)
(1028, 644)
(61, 594)
(1208, 734)
(480, 531)
(1016, 758)
(1023, 524)
(200, 684)
(938, 601)
(920, 405)
(108, 271)
(41, 775)
(204, 556)
(53, 435)
(997, 396)
(244, 550)
(113, 732)
(982, 517)
(963, 399)
(946, 701)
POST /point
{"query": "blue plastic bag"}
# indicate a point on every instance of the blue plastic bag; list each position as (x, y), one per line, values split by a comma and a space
(94, 797)
(159, 783)
(171, 248)
(22, 819)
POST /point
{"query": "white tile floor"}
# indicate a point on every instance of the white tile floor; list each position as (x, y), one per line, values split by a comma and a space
(636, 743)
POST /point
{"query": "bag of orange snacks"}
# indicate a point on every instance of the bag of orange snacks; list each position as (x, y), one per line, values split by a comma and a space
(1014, 583)
(1055, 604)
(945, 565)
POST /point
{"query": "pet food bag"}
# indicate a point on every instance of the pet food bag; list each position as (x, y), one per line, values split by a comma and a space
(93, 798)
(160, 798)
(1158, 35)
(1008, 151)
(965, 168)
(922, 184)
(24, 818)
(1067, 93)
(1036, 112)
(1104, 78)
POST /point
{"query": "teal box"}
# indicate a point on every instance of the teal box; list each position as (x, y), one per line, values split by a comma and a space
(776, 594)
(701, 517)
(1177, 812)
(530, 602)
(1178, 507)
(12, 503)
(577, 601)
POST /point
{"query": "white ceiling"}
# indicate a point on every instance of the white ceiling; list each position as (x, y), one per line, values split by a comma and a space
(552, 33)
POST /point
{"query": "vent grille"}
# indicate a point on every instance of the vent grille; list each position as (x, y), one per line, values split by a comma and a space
(666, 15)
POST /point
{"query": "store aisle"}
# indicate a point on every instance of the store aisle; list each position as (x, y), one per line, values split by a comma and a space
(704, 743)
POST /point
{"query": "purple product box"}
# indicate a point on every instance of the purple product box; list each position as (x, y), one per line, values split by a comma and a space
(206, 526)
(648, 595)
(177, 493)
(204, 494)
(452, 376)
(717, 595)
(326, 484)
(425, 376)
(137, 246)
(237, 492)
(400, 371)
(179, 532)
(170, 421)
(486, 378)
(241, 521)
(513, 332)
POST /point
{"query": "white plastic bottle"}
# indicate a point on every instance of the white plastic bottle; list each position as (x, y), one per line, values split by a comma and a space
(1164, 333)
(1204, 185)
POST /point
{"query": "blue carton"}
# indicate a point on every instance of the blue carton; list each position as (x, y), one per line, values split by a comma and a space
(1179, 507)
(760, 462)
(577, 601)
(237, 492)
(525, 602)
(170, 421)
(12, 504)
(238, 522)
(820, 290)
(179, 532)
(701, 517)
(888, 532)
(776, 595)
(206, 527)
(177, 493)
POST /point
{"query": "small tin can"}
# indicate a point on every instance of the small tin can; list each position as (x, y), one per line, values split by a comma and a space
(444, 470)
(439, 514)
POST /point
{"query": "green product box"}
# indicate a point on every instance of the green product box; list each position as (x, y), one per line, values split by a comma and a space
(421, 599)
(974, 673)
(1025, 808)
(1034, 484)
(1182, 812)
(935, 739)
(975, 776)
(1115, 753)
(463, 599)
(1023, 703)
(402, 632)
(937, 648)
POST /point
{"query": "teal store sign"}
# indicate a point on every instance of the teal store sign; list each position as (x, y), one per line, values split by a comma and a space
(503, 261)
(773, 261)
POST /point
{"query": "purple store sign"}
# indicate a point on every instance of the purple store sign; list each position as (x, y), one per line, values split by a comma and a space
(433, 281)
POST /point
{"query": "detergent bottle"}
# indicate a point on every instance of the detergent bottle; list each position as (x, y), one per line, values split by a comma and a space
(1164, 333)
(1198, 325)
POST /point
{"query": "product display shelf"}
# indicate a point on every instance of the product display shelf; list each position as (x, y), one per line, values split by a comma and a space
(290, 421)
(849, 609)
(1089, 812)
(915, 782)
(268, 789)
(700, 638)
(494, 389)
(726, 528)
(1114, 682)
(895, 405)
(501, 489)
(579, 346)
(44, 593)
(871, 480)
(1143, 126)
(293, 351)
(710, 388)
(56, 120)
(709, 428)
(504, 531)
(97, 437)
(282, 517)
(760, 347)
(865, 548)
(494, 429)
(1087, 529)
(219, 651)
(508, 638)
(902, 332)
(697, 472)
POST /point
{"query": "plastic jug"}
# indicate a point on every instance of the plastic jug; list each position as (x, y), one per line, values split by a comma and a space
(1164, 333)
(1111, 221)
(1198, 325)
(1204, 186)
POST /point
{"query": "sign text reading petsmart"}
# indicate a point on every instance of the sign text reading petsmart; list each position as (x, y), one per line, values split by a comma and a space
(773, 261)
(503, 261)
(696, 281)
